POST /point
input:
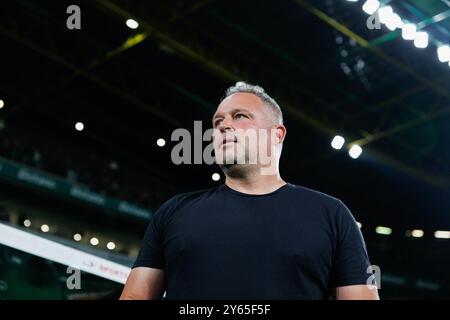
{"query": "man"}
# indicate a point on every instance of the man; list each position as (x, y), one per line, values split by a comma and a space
(256, 236)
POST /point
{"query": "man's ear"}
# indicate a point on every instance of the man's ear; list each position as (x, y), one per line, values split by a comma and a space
(280, 133)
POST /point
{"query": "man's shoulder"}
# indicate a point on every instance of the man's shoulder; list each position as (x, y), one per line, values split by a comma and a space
(325, 203)
(304, 193)
(183, 199)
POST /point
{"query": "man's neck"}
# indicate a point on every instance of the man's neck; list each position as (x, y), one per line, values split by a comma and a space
(255, 184)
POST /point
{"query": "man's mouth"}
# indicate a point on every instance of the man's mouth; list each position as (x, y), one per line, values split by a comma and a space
(229, 140)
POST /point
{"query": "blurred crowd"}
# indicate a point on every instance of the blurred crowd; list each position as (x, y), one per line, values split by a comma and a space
(104, 176)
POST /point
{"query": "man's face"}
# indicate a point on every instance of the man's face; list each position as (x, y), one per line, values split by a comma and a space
(238, 122)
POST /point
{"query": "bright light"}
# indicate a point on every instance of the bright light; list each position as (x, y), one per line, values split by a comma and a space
(161, 142)
(111, 245)
(359, 224)
(371, 6)
(383, 230)
(94, 241)
(79, 126)
(394, 22)
(442, 234)
(45, 228)
(352, 0)
(391, 26)
(355, 151)
(417, 233)
(385, 14)
(421, 39)
(337, 142)
(2, 104)
(215, 177)
(27, 223)
(398, 21)
(409, 31)
(77, 237)
(443, 53)
(132, 24)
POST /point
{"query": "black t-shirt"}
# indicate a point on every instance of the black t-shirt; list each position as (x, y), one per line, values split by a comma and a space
(293, 243)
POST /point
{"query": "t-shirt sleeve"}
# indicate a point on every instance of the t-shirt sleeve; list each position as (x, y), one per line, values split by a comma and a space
(351, 261)
(151, 253)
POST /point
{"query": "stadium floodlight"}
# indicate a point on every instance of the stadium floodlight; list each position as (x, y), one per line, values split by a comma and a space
(132, 24)
(111, 245)
(443, 53)
(371, 6)
(394, 22)
(161, 142)
(385, 14)
(417, 233)
(383, 230)
(337, 142)
(355, 151)
(79, 126)
(409, 31)
(439, 234)
(421, 40)
(94, 241)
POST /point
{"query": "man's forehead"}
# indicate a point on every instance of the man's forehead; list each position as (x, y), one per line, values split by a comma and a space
(240, 100)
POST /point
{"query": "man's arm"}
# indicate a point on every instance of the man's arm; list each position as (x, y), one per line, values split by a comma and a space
(144, 284)
(357, 292)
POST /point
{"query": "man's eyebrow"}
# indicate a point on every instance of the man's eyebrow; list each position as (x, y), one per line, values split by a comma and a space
(239, 110)
(235, 110)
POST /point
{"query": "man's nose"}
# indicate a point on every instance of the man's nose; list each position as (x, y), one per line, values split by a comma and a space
(225, 125)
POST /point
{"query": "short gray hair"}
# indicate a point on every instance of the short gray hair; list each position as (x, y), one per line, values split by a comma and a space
(242, 86)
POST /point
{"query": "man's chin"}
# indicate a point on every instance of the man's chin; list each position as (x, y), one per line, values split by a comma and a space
(234, 164)
(228, 163)
(234, 169)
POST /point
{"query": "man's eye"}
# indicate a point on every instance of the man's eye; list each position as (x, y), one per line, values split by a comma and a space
(240, 115)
